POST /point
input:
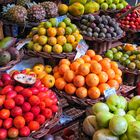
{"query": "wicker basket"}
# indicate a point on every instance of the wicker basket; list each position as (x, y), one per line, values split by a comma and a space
(13, 62)
(101, 46)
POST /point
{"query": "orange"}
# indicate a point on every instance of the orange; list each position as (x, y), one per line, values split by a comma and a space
(79, 81)
(113, 83)
(94, 93)
(55, 69)
(56, 75)
(48, 81)
(63, 68)
(64, 61)
(41, 75)
(69, 76)
(97, 58)
(70, 39)
(92, 80)
(38, 69)
(102, 87)
(105, 65)
(74, 66)
(52, 41)
(96, 67)
(61, 40)
(107, 59)
(114, 65)
(84, 69)
(60, 83)
(90, 53)
(110, 73)
(70, 88)
(86, 58)
(60, 31)
(80, 60)
(118, 79)
(118, 72)
(51, 32)
(81, 92)
(103, 77)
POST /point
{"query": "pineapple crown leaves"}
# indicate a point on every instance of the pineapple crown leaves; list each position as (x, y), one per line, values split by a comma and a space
(6, 8)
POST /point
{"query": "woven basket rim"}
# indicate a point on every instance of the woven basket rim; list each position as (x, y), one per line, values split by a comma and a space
(13, 62)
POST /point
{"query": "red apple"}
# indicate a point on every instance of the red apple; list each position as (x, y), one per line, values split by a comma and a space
(13, 132)
(19, 99)
(6, 89)
(26, 107)
(1, 83)
(35, 110)
(11, 94)
(37, 83)
(26, 93)
(3, 134)
(24, 131)
(29, 116)
(9, 103)
(1, 122)
(16, 111)
(8, 123)
(47, 113)
(5, 77)
(54, 108)
(18, 88)
(40, 119)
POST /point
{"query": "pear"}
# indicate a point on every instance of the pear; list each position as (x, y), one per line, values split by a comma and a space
(129, 118)
(134, 103)
(120, 112)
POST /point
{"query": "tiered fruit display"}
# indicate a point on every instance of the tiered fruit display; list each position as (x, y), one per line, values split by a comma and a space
(87, 76)
(55, 37)
(116, 119)
(79, 7)
(24, 108)
(127, 55)
(42, 72)
(100, 27)
(130, 21)
(112, 4)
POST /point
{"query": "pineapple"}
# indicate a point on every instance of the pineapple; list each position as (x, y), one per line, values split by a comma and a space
(50, 8)
(23, 2)
(36, 13)
(17, 14)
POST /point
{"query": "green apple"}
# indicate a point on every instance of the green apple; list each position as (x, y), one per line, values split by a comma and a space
(109, 1)
(90, 125)
(132, 112)
(112, 6)
(120, 112)
(116, 1)
(99, 1)
(120, 6)
(123, 103)
(103, 119)
(104, 6)
(134, 103)
(113, 102)
(124, 3)
(99, 107)
(133, 132)
(123, 137)
(118, 125)
(129, 118)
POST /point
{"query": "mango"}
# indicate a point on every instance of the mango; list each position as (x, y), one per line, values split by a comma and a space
(7, 42)
(76, 9)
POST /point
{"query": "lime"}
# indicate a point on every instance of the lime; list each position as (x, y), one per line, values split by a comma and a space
(126, 55)
(67, 47)
(73, 27)
(109, 55)
(68, 31)
(127, 62)
(117, 56)
(67, 21)
(53, 22)
(110, 51)
(122, 60)
(114, 50)
(120, 53)
(62, 24)
(47, 24)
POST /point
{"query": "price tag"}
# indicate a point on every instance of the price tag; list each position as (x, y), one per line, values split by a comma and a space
(21, 43)
(60, 19)
(109, 92)
(81, 48)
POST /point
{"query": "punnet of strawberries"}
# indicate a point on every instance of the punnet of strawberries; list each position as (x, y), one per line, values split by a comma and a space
(24, 108)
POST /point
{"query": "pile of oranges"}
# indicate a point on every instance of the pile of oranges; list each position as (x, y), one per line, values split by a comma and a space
(88, 76)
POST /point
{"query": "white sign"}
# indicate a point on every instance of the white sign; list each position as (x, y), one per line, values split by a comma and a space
(109, 92)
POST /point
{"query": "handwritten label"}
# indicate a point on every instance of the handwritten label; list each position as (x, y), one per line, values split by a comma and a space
(60, 19)
(81, 48)
(21, 43)
(109, 92)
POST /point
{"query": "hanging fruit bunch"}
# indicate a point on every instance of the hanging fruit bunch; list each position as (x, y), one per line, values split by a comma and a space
(51, 36)
(88, 76)
(26, 103)
(130, 21)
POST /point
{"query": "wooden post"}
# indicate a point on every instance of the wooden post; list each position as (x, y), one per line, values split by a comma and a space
(1, 30)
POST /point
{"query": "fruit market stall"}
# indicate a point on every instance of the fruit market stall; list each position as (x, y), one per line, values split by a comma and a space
(69, 70)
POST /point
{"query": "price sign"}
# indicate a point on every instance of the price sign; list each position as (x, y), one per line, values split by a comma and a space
(21, 43)
(81, 48)
(60, 19)
(109, 92)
